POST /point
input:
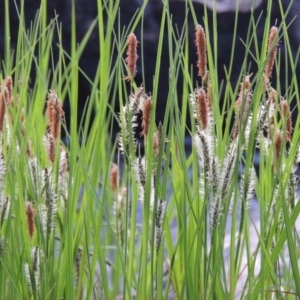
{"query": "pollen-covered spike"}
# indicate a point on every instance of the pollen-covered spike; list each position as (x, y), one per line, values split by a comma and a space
(135, 100)
(216, 213)
(119, 208)
(4, 207)
(228, 170)
(248, 187)
(36, 265)
(30, 215)
(2, 173)
(27, 277)
(160, 215)
(50, 200)
(140, 170)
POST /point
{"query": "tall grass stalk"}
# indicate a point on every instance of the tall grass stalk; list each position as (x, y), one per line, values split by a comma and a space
(142, 216)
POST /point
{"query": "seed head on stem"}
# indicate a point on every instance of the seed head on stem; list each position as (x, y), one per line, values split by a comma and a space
(285, 110)
(55, 113)
(30, 215)
(146, 116)
(272, 51)
(132, 56)
(202, 108)
(8, 83)
(114, 177)
(201, 51)
(2, 107)
(242, 105)
(156, 139)
(277, 148)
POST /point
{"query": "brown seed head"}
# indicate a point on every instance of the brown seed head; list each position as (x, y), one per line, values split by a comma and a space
(8, 83)
(277, 146)
(63, 161)
(242, 103)
(114, 177)
(55, 113)
(202, 108)
(51, 145)
(246, 84)
(30, 215)
(273, 95)
(272, 51)
(272, 100)
(146, 116)
(2, 107)
(132, 56)
(156, 144)
(201, 51)
(285, 110)
(245, 91)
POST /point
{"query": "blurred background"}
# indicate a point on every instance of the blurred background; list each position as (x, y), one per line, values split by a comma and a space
(86, 13)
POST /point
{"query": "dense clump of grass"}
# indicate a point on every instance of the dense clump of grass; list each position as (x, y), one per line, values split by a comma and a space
(105, 219)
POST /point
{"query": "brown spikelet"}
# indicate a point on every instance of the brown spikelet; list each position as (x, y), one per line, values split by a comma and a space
(246, 84)
(156, 144)
(29, 150)
(201, 51)
(285, 110)
(63, 162)
(2, 108)
(114, 177)
(132, 56)
(51, 144)
(245, 89)
(202, 108)
(146, 116)
(157, 138)
(30, 215)
(273, 95)
(8, 83)
(55, 113)
(235, 131)
(272, 51)
(272, 100)
(242, 102)
(277, 146)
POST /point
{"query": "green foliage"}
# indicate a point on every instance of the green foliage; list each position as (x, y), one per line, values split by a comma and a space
(170, 223)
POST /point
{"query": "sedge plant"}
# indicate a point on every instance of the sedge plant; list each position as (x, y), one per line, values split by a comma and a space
(92, 216)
